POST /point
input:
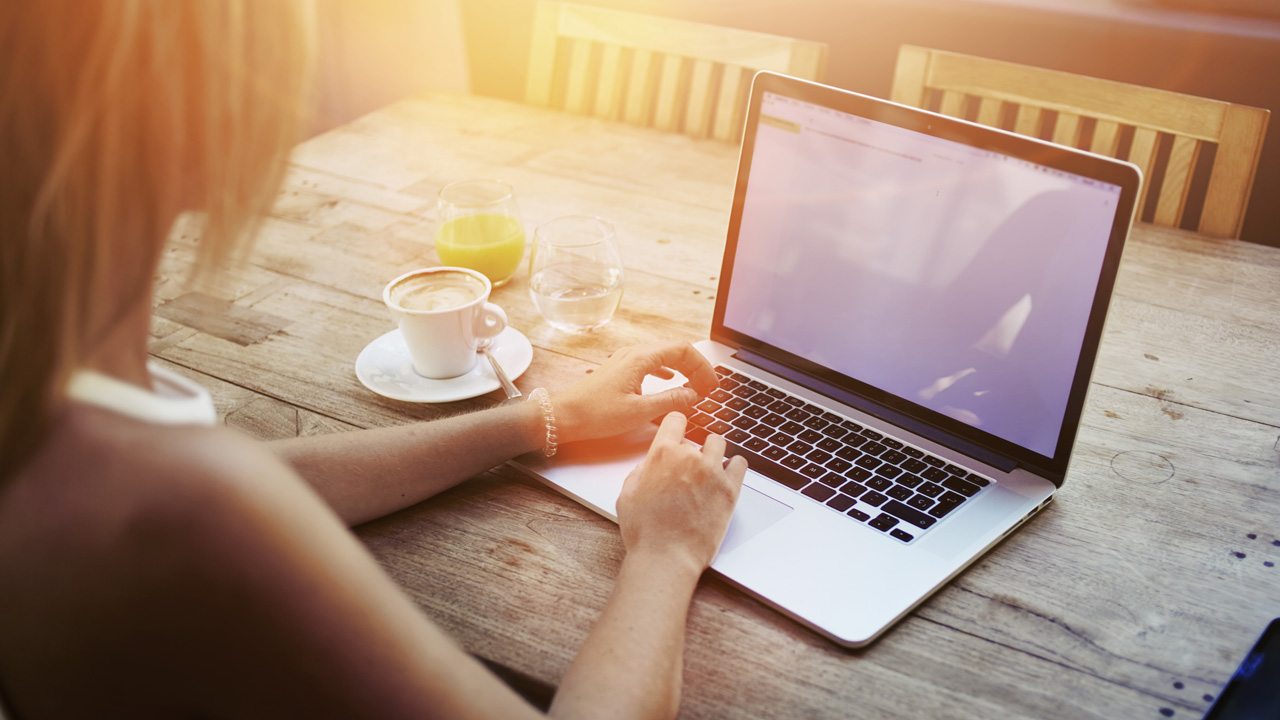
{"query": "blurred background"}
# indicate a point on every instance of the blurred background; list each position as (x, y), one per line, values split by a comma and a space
(376, 51)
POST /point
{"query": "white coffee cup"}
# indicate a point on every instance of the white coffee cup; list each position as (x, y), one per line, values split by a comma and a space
(443, 313)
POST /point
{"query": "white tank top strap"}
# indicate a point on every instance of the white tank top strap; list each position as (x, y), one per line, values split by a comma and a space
(174, 401)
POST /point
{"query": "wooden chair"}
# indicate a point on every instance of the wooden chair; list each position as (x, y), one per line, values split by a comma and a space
(646, 70)
(1105, 117)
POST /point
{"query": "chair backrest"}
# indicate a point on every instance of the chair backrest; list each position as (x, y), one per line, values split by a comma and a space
(670, 74)
(1119, 120)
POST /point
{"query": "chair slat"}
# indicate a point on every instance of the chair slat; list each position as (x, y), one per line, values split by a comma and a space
(1106, 138)
(952, 104)
(989, 111)
(698, 112)
(1177, 181)
(1028, 121)
(1067, 130)
(665, 116)
(1234, 166)
(542, 56)
(638, 91)
(575, 100)
(728, 102)
(1143, 154)
(609, 87)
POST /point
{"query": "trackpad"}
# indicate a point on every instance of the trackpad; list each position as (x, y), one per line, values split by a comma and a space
(755, 513)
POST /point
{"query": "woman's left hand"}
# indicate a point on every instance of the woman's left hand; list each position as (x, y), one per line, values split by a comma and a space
(609, 402)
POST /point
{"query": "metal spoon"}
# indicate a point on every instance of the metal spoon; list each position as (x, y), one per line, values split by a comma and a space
(507, 386)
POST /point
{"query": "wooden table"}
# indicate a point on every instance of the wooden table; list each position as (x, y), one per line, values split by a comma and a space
(1134, 595)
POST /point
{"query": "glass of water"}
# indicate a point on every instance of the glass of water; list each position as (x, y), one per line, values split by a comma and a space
(575, 273)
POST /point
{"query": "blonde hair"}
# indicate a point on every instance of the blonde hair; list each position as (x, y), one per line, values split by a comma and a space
(115, 117)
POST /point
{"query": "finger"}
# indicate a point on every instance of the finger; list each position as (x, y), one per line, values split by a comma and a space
(736, 471)
(664, 372)
(691, 363)
(671, 431)
(713, 447)
(679, 399)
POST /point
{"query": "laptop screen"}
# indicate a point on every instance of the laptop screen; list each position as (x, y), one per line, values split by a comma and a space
(947, 275)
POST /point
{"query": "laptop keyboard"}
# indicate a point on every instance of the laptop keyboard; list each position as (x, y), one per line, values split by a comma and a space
(879, 481)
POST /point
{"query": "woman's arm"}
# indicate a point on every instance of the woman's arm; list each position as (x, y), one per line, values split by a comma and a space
(366, 474)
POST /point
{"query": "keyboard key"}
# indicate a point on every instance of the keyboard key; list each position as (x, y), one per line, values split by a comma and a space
(939, 511)
(744, 423)
(696, 434)
(883, 521)
(835, 432)
(722, 370)
(892, 456)
(756, 444)
(708, 406)
(841, 502)
(701, 419)
(829, 445)
(872, 434)
(774, 453)
(895, 444)
(908, 515)
(913, 465)
(900, 535)
(930, 490)
(831, 417)
(727, 414)
(855, 441)
(816, 423)
(719, 427)
(797, 414)
(729, 384)
(832, 479)
(739, 377)
(813, 471)
(793, 401)
(779, 407)
(871, 497)
(738, 436)
(978, 479)
(868, 462)
(909, 480)
(737, 404)
(851, 426)
(858, 473)
(819, 456)
(761, 463)
(838, 465)
(810, 436)
(852, 489)
(964, 487)
(873, 448)
(791, 428)
(757, 385)
(951, 499)
(897, 492)
(935, 474)
(849, 453)
(956, 470)
(879, 483)
(889, 471)
(818, 492)
(857, 514)
(780, 439)
(795, 462)
(936, 462)
(720, 395)
(800, 447)
(920, 502)
(912, 452)
(773, 419)
(755, 412)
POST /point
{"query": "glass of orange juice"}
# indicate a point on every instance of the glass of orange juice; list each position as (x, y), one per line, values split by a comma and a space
(478, 227)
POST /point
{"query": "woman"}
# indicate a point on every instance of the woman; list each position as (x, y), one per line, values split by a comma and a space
(154, 565)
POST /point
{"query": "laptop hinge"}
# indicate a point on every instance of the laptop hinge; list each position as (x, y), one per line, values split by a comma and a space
(977, 452)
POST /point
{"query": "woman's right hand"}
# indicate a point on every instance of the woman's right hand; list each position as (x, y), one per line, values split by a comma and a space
(679, 500)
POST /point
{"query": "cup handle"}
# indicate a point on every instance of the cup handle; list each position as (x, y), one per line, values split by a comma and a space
(490, 321)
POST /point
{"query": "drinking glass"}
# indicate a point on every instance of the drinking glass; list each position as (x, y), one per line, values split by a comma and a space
(478, 227)
(575, 273)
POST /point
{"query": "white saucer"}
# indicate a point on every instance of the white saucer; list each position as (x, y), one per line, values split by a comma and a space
(385, 368)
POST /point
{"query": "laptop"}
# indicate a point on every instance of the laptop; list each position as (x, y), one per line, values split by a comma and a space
(908, 312)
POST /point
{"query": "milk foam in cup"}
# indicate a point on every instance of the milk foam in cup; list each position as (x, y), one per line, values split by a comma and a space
(443, 314)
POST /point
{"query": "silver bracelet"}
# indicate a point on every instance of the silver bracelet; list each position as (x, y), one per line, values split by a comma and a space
(548, 417)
